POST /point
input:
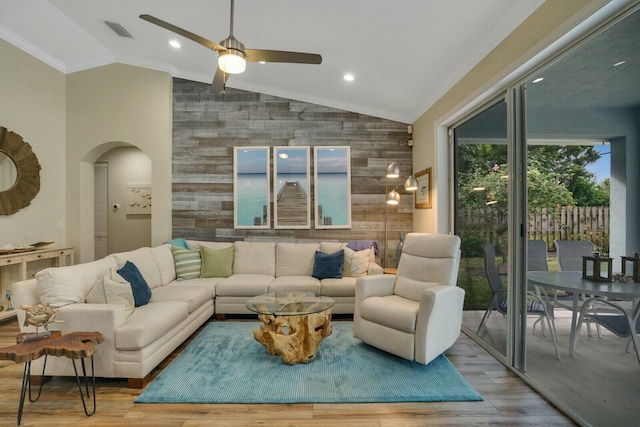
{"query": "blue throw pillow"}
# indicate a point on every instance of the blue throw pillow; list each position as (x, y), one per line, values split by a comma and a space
(328, 266)
(139, 287)
(179, 242)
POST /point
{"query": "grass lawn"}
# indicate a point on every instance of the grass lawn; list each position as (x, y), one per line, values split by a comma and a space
(472, 279)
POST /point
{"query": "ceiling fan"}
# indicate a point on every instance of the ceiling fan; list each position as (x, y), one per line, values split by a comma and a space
(232, 55)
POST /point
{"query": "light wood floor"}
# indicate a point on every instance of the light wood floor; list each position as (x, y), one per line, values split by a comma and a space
(600, 383)
(507, 402)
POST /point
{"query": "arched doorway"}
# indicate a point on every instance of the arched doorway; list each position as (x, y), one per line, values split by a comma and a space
(122, 201)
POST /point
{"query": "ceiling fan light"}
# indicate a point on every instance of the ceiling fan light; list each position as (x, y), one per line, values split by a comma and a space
(232, 62)
(411, 184)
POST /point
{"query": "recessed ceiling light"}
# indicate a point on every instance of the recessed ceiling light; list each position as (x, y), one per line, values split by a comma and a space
(174, 43)
(619, 63)
(262, 62)
(538, 80)
(349, 77)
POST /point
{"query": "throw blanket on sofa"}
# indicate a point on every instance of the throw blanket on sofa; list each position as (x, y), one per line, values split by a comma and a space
(358, 245)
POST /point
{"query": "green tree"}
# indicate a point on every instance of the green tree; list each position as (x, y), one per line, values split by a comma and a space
(482, 189)
(549, 166)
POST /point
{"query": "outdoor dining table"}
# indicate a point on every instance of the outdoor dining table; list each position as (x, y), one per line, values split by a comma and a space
(572, 281)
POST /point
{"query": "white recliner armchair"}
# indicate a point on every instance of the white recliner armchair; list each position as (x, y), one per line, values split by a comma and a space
(417, 313)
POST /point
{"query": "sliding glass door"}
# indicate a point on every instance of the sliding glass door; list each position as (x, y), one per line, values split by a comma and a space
(557, 162)
(482, 210)
(583, 149)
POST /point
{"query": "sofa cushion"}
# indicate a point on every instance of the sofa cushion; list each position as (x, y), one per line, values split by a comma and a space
(244, 285)
(60, 286)
(295, 259)
(188, 263)
(194, 296)
(145, 260)
(211, 245)
(216, 262)
(356, 264)
(295, 283)
(112, 289)
(328, 266)
(139, 287)
(345, 287)
(149, 323)
(392, 311)
(164, 260)
(208, 283)
(254, 258)
(332, 247)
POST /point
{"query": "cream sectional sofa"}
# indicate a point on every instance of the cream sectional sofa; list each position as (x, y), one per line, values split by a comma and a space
(138, 339)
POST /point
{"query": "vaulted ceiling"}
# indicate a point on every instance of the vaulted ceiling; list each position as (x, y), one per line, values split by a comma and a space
(403, 54)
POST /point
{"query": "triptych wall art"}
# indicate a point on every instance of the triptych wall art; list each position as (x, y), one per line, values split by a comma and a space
(292, 188)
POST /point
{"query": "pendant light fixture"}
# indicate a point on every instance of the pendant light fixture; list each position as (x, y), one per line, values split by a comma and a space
(411, 184)
(393, 171)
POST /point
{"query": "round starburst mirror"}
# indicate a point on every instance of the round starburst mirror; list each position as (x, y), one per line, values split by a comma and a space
(19, 173)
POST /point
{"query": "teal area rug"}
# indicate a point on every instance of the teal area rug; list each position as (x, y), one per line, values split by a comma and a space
(224, 364)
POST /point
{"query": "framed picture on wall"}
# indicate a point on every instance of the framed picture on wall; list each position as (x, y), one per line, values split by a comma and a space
(251, 187)
(139, 199)
(291, 197)
(332, 187)
(423, 194)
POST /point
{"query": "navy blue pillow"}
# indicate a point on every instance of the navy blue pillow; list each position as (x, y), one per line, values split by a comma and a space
(328, 266)
(139, 287)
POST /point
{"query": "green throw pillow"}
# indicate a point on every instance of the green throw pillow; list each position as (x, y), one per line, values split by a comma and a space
(188, 263)
(216, 262)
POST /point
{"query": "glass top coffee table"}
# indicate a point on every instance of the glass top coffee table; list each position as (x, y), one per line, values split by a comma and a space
(293, 323)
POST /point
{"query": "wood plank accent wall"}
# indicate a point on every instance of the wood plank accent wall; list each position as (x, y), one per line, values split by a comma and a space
(206, 127)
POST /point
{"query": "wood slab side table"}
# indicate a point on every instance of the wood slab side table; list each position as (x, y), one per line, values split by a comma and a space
(75, 345)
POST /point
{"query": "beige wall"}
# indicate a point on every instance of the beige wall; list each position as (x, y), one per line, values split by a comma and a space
(549, 22)
(112, 106)
(32, 104)
(126, 166)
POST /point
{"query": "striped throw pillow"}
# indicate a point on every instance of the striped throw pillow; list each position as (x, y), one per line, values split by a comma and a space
(188, 263)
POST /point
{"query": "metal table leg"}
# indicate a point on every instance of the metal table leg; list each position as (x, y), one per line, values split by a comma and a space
(86, 385)
(26, 384)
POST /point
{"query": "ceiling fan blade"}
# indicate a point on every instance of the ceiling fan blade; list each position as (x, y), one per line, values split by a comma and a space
(219, 79)
(188, 34)
(257, 55)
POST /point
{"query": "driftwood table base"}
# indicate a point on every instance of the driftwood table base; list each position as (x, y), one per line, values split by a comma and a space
(300, 341)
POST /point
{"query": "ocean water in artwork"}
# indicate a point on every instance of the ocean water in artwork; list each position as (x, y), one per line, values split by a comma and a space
(283, 178)
(333, 198)
(252, 198)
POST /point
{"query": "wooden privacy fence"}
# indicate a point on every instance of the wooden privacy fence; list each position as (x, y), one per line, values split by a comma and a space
(565, 223)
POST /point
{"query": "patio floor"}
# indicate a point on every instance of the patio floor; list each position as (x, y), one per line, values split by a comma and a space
(601, 382)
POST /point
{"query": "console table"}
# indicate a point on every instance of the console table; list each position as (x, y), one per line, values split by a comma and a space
(22, 259)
